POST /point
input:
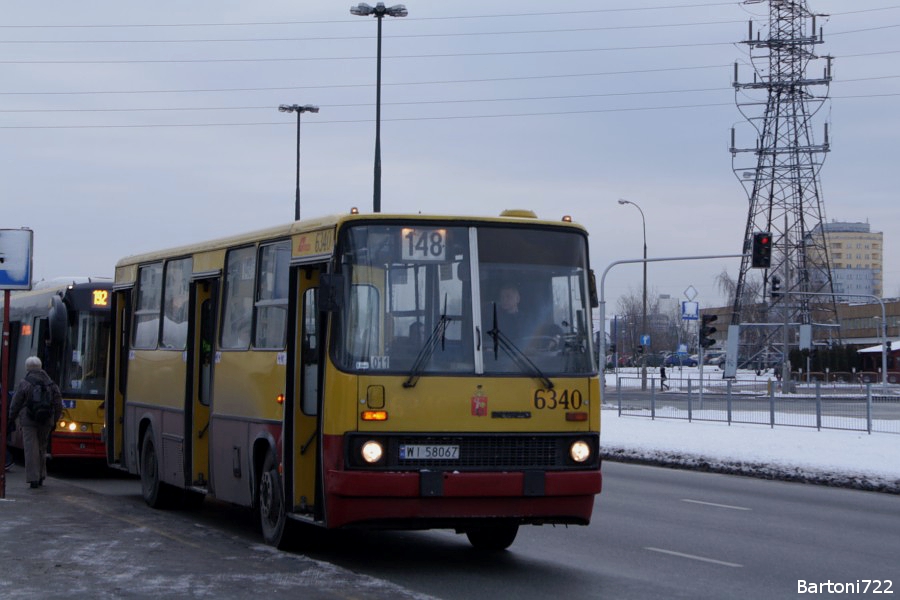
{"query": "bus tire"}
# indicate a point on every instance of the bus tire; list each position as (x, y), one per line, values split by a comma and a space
(156, 493)
(493, 538)
(272, 515)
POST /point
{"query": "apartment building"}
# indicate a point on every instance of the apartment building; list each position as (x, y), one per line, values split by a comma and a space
(856, 254)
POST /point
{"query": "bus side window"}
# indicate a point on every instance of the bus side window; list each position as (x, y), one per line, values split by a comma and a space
(175, 313)
(238, 312)
(272, 295)
(147, 308)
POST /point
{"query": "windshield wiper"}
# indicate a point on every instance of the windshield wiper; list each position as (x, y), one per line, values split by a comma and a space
(518, 357)
(438, 333)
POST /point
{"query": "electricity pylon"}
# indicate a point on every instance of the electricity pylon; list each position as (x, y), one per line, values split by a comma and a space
(783, 183)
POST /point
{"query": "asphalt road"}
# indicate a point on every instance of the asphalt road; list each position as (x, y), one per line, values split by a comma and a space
(659, 533)
(656, 533)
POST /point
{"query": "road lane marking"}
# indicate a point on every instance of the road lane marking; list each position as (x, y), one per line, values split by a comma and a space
(694, 557)
(715, 504)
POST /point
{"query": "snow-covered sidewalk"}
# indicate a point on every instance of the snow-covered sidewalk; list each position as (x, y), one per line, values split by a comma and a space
(842, 458)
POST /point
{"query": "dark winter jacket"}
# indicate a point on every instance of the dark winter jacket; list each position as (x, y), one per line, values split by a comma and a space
(23, 392)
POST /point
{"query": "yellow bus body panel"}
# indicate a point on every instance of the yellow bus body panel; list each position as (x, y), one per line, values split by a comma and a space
(157, 378)
(247, 384)
(481, 404)
(205, 262)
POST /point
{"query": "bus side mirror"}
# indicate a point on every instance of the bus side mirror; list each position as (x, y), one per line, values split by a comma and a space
(592, 289)
(58, 321)
(331, 292)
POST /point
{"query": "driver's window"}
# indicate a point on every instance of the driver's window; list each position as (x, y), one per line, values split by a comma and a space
(363, 330)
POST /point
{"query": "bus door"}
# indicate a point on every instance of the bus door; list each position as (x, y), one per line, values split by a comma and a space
(201, 348)
(303, 452)
(116, 434)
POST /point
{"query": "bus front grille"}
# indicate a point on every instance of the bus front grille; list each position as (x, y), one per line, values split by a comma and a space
(474, 452)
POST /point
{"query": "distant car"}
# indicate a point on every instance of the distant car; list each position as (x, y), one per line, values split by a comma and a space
(673, 360)
(716, 360)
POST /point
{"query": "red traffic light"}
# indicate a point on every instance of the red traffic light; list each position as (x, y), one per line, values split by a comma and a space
(761, 252)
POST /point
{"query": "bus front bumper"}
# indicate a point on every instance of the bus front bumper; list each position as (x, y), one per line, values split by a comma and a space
(452, 498)
(74, 445)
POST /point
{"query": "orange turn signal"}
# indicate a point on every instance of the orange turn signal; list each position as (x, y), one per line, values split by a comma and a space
(279, 398)
(576, 416)
(374, 415)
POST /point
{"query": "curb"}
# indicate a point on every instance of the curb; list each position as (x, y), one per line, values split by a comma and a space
(693, 462)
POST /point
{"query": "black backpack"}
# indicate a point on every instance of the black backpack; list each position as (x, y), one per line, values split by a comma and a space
(39, 403)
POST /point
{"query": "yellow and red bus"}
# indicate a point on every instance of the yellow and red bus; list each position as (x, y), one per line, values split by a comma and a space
(67, 326)
(361, 371)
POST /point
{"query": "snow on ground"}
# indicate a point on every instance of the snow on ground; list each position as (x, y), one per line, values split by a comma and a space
(841, 458)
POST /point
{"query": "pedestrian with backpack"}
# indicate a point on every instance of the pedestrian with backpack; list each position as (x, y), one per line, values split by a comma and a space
(38, 405)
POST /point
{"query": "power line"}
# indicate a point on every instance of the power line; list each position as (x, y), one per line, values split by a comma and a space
(426, 102)
(864, 30)
(403, 83)
(359, 104)
(398, 119)
(865, 10)
(369, 37)
(419, 35)
(333, 21)
(366, 85)
(402, 119)
(398, 56)
(414, 56)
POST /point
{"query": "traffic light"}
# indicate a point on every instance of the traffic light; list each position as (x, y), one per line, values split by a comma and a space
(706, 331)
(761, 257)
(775, 282)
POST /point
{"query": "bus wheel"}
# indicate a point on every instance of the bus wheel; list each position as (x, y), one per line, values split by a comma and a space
(272, 517)
(493, 537)
(156, 494)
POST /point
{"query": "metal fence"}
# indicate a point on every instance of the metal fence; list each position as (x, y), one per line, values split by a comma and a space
(855, 407)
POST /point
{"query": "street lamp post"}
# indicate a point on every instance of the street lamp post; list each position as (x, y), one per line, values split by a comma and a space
(644, 312)
(379, 11)
(288, 108)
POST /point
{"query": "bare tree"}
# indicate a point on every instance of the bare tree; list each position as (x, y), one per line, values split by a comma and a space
(753, 309)
(728, 287)
(664, 324)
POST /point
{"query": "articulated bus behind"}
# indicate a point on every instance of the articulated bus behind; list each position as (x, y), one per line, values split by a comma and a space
(67, 327)
(364, 371)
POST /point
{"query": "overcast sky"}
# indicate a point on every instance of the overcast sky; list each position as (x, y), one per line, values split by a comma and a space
(127, 127)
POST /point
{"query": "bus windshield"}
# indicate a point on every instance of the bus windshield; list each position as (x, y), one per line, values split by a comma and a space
(490, 299)
(84, 357)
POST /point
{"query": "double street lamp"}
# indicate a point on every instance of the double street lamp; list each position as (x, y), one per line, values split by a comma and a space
(378, 11)
(288, 108)
(644, 313)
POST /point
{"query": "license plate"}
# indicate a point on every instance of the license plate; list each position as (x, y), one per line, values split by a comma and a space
(429, 452)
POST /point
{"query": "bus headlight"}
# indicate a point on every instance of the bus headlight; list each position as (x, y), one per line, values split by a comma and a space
(580, 451)
(372, 452)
